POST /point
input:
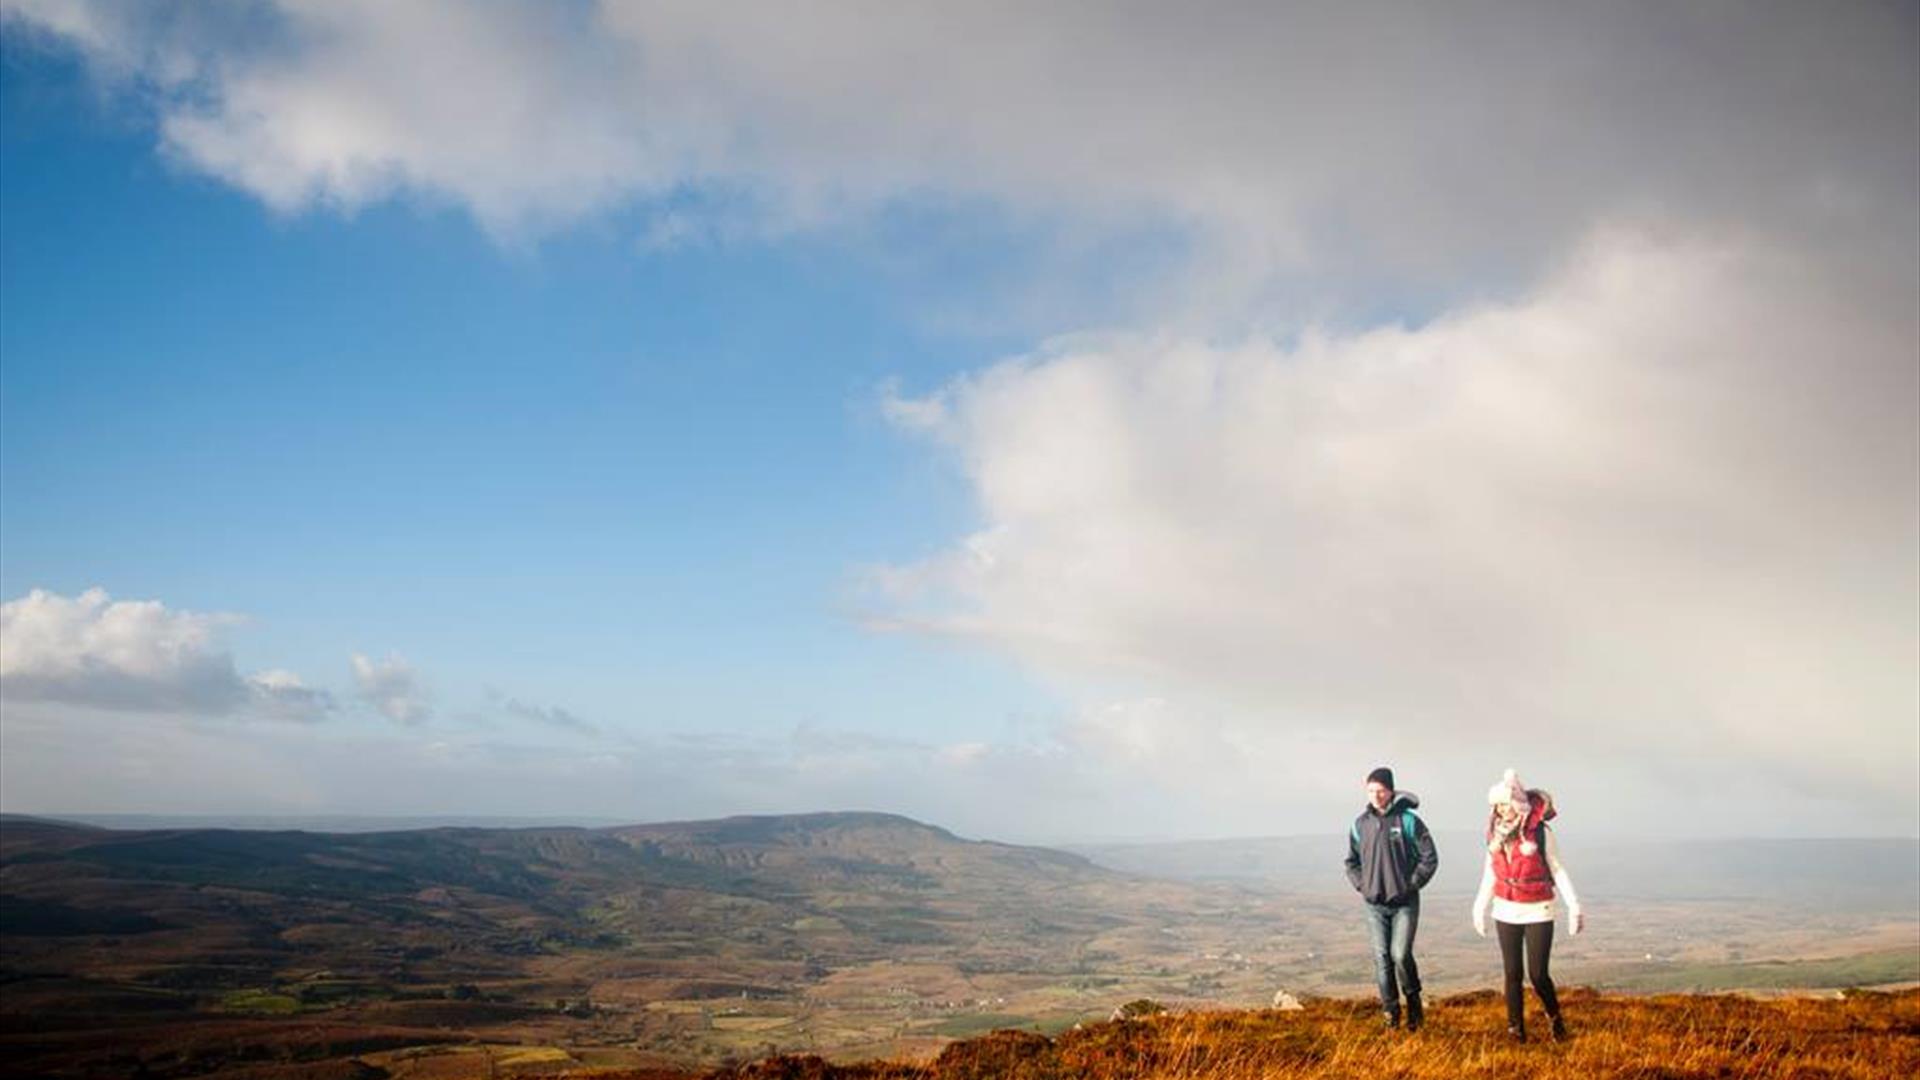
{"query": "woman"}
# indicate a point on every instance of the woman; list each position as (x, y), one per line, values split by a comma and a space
(1522, 879)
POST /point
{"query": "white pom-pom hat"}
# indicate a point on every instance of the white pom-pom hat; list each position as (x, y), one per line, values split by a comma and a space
(1508, 790)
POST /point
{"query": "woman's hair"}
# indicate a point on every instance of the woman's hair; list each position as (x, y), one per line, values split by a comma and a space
(1535, 809)
(1504, 828)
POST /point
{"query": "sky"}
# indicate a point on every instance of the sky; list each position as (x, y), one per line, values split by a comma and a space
(1084, 421)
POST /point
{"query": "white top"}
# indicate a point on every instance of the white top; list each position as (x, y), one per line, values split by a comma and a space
(1511, 911)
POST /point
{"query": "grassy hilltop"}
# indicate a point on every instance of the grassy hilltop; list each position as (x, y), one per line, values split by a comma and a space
(1862, 1036)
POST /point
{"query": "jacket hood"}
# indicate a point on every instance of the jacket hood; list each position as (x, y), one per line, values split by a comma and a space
(1402, 800)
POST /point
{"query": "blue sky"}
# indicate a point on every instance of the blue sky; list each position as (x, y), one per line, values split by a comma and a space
(619, 410)
(599, 477)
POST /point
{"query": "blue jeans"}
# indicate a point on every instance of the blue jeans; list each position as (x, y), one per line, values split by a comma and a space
(1390, 930)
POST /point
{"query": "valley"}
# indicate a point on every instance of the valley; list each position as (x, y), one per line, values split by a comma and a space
(185, 952)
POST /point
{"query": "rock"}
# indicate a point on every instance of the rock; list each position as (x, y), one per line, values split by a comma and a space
(1286, 1002)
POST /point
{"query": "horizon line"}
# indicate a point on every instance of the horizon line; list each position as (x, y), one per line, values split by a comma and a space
(404, 822)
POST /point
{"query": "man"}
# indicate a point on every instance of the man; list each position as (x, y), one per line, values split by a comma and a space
(1390, 858)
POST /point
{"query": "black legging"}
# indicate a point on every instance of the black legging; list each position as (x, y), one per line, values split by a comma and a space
(1539, 943)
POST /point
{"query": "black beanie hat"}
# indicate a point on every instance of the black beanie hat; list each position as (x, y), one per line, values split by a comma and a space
(1381, 775)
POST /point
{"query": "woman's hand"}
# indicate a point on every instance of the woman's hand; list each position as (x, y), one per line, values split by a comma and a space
(1479, 922)
(1578, 921)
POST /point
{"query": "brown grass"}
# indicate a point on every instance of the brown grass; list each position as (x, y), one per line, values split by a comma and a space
(1674, 1037)
(1679, 1037)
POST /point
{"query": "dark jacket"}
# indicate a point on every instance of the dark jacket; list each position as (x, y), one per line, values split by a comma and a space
(1390, 854)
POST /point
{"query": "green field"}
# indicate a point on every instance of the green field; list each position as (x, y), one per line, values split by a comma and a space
(961, 1027)
(1866, 969)
(260, 1002)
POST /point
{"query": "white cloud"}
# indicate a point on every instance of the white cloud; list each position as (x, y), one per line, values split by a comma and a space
(1666, 506)
(135, 655)
(284, 694)
(1343, 144)
(965, 753)
(1660, 505)
(391, 687)
(552, 716)
(912, 414)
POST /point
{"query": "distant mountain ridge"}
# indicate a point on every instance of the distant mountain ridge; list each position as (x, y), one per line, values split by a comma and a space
(752, 855)
(190, 923)
(828, 888)
(1849, 874)
(339, 823)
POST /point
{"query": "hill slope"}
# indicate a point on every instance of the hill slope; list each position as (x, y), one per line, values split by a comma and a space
(1865, 1036)
(689, 941)
(817, 891)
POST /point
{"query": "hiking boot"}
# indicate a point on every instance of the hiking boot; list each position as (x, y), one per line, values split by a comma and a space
(1392, 1020)
(1559, 1029)
(1517, 1032)
(1415, 1014)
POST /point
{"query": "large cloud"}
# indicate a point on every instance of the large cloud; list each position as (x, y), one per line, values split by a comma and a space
(1346, 142)
(135, 655)
(1667, 505)
(1662, 499)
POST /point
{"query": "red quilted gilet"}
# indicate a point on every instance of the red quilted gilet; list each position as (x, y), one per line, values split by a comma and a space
(1520, 877)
